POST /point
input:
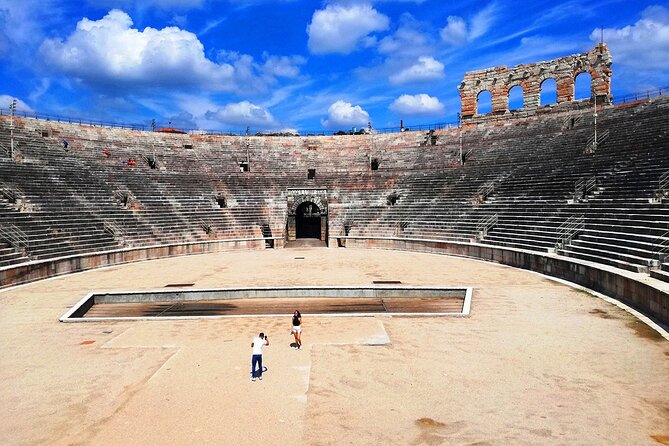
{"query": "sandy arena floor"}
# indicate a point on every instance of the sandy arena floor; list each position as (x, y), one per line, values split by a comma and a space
(537, 362)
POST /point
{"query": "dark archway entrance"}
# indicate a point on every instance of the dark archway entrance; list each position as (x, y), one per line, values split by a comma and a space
(308, 221)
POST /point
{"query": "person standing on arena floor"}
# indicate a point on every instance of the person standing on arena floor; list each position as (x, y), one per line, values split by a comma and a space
(256, 359)
(297, 329)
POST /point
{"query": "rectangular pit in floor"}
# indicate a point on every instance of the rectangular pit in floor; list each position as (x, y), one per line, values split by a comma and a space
(271, 301)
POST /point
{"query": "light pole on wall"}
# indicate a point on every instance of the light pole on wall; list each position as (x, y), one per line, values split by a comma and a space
(594, 143)
(462, 161)
(153, 138)
(12, 108)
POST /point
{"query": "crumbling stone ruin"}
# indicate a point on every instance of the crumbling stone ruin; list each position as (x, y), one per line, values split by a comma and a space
(564, 70)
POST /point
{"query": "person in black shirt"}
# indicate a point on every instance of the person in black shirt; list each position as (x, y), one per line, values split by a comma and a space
(297, 329)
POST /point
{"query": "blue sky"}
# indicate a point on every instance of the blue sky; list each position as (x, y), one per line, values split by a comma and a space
(306, 65)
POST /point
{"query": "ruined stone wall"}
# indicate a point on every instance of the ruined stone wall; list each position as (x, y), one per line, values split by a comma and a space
(500, 80)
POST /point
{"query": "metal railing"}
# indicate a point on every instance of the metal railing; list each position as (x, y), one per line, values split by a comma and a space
(486, 224)
(591, 147)
(569, 229)
(663, 182)
(661, 247)
(206, 225)
(583, 186)
(113, 228)
(485, 190)
(15, 236)
(641, 95)
(147, 124)
(571, 121)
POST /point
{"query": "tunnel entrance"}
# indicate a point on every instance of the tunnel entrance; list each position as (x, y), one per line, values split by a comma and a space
(307, 214)
(308, 221)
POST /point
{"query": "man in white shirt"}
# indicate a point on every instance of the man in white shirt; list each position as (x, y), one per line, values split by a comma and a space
(257, 345)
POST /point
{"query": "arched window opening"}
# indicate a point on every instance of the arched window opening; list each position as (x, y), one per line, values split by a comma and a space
(484, 103)
(548, 92)
(582, 86)
(516, 100)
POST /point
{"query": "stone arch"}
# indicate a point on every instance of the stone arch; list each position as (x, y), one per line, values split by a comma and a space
(301, 197)
(548, 88)
(320, 202)
(583, 85)
(516, 100)
(488, 98)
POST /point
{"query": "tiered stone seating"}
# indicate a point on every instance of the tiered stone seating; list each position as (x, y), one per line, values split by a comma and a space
(523, 172)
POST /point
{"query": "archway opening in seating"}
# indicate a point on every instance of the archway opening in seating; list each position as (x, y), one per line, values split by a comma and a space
(308, 221)
(582, 86)
(484, 103)
(516, 98)
(548, 92)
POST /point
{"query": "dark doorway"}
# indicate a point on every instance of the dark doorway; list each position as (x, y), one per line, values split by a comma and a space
(308, 221)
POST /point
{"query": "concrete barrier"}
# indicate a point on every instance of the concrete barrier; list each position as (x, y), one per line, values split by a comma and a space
(36, 270)
(618, 284)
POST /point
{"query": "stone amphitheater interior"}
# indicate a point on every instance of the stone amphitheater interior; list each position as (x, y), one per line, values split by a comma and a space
(556, 217)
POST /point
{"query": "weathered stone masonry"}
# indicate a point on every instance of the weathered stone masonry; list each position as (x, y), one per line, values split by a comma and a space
(500, 80)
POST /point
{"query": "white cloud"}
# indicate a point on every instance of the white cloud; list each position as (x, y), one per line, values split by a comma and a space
(482, 21)
(458, 32)
(110, 53)
(243, 114)
(419, 104)
(425, 69)
(344, 115)
(160, 4)
(409, 40)
(455, 32)
(644, 44)
(282, 66)
(211, 24)
(343, 28)
(23, 25)
(6, 100)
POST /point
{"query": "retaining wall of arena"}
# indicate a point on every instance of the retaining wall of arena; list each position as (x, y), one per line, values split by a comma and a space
(37, 270)
(649, 300)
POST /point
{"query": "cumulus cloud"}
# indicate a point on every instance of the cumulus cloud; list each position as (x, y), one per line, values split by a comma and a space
(416, 105)
(341, 28)
(110, 53)
(242, 114)
(425, 69)
(644, 44)
(409, 40)
(6, 100)
(458, 32)
(344, 115)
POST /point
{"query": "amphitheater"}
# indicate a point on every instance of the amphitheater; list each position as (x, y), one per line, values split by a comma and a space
(555, 217)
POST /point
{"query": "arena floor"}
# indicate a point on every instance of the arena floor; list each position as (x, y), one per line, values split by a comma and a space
(538, 362)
